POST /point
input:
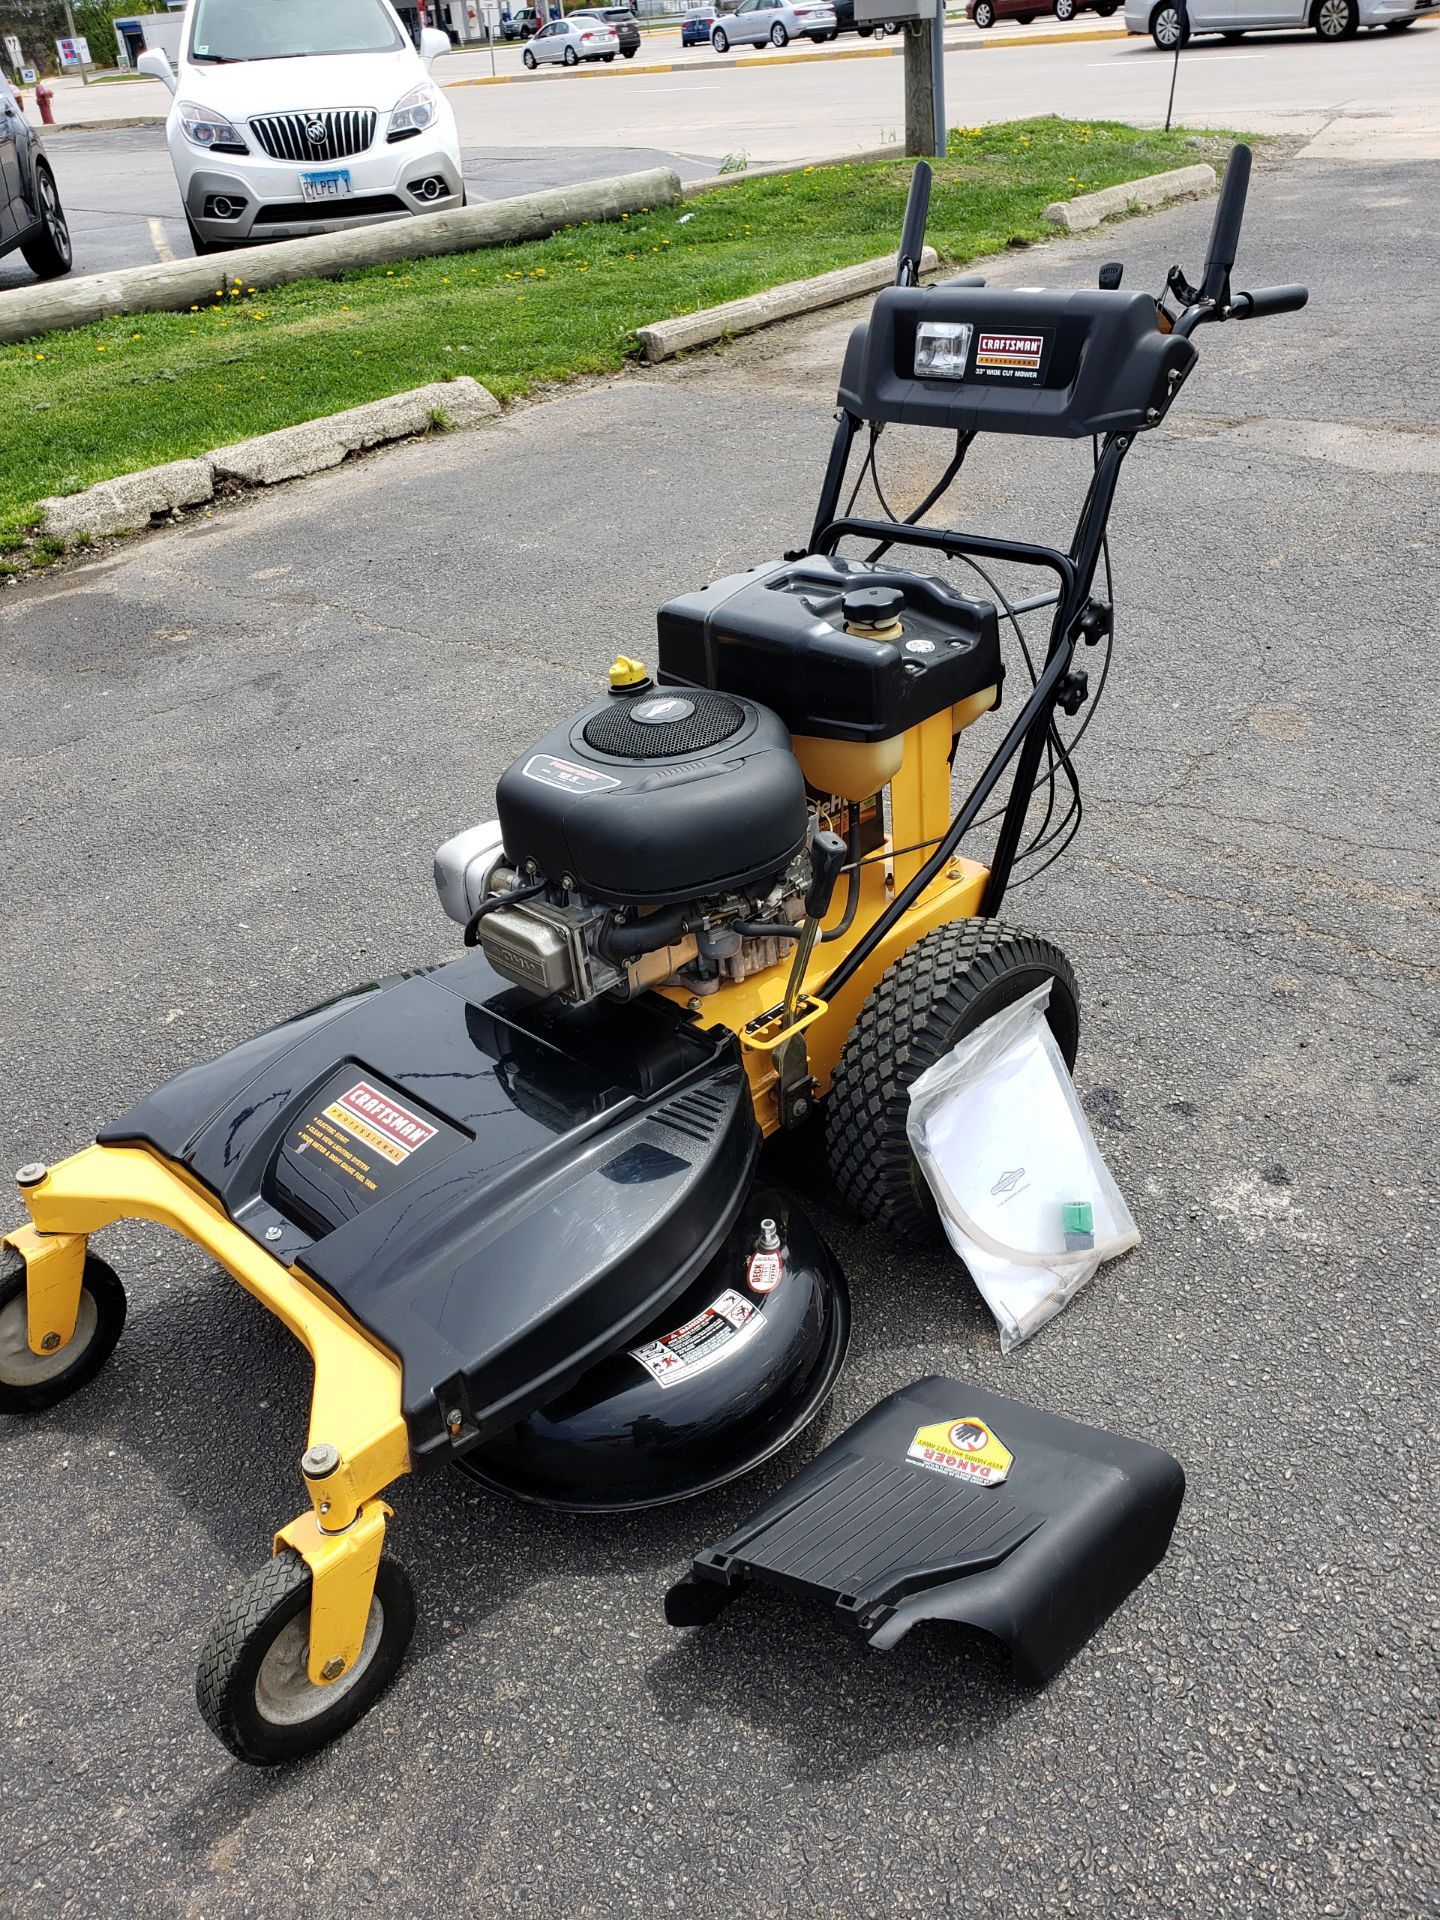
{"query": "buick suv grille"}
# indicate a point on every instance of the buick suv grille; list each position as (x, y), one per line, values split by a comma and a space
(333, 134)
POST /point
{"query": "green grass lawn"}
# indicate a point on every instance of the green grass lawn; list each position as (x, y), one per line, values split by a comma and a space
(131, 392)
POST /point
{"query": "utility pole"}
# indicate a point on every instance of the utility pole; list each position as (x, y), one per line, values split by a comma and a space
(70, 34)
(925, 80)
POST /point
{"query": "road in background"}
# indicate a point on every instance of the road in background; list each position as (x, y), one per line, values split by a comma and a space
(119, 189)
(231, 749)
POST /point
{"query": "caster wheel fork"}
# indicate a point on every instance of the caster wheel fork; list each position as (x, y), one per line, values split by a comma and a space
(62, 1310)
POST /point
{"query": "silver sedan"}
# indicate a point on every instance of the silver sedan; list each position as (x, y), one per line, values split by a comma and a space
(581, 37)
(778, 21)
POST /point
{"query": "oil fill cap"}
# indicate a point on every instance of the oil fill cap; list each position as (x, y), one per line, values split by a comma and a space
(872, 606)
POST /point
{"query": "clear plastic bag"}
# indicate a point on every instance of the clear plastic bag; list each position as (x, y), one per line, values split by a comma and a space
(1017, 1176)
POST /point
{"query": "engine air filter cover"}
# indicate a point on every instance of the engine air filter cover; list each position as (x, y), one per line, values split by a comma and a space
(660, 725)
(671, 796)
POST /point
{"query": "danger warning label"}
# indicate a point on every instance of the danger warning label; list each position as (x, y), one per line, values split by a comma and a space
(710, 1337)
(963, 1449)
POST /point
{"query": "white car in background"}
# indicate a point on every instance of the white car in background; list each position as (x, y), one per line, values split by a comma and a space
(779, 21)
(1331, 19)
(297, 116)
(584, 36)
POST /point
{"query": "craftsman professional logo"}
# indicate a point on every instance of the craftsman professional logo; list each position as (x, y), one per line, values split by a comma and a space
(369, 1115)
(1019, 352)
(1008, 1182)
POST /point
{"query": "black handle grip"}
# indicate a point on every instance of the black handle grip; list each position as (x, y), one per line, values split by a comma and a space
(912, 233)
(828, 854)
(1225, 233)
(1268, 300)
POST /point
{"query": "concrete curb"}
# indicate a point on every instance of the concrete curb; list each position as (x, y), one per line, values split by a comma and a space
(665, 338)
(129, 504)
(173, 285)
(1131, 196)
(862, 157)
(786, 59)
(100, 126)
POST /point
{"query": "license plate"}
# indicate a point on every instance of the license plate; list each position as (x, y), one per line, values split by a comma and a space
(325, 186)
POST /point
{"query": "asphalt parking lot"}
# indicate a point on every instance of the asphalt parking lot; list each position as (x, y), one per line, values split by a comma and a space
(230, 750)
(123, 206)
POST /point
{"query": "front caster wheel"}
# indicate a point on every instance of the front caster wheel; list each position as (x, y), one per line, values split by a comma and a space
(938, 991)
(30, 1382)
(251, 1684)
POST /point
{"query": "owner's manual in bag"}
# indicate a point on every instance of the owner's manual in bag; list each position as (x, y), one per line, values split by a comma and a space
(1025, 1198)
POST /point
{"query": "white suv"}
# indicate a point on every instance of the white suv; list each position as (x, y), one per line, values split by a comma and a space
(296, 116)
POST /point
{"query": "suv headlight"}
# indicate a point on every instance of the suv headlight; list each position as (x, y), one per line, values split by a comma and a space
(414, 113)
(209, 130)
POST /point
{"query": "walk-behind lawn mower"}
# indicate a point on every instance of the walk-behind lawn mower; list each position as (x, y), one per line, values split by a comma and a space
(510, 1205)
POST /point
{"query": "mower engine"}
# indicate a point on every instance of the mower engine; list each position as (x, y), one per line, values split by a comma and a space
(652, 839)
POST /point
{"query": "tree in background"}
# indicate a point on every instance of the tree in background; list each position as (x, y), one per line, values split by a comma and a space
(38, 24)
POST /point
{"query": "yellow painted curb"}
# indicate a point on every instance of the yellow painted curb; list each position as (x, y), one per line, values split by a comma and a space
(1059, 39)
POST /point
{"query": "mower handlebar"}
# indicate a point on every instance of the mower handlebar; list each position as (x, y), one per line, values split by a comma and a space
(912, 233)
(1225, 233)
(1267, 300)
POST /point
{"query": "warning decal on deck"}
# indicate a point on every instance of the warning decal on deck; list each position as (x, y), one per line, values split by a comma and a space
(712, 1336)
(964, 1449)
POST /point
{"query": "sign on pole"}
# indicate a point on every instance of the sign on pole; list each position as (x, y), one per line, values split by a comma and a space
(73, 53)
(12, 47)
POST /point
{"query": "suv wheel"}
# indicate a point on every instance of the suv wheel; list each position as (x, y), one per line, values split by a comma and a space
(48, 252)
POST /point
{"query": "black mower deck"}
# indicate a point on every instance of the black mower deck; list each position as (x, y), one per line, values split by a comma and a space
(946, 1502)
(499, 1189)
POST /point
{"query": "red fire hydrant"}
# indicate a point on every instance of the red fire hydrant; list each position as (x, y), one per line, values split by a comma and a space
(42, 100)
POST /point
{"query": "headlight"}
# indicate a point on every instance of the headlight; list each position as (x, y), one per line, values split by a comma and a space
(414, 113)
(941, 349)
(205, 129)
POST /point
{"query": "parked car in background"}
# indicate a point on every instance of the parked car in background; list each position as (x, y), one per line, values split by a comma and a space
(695, 27)
(296, 116)
(582, 37)
(31, 217)
(1331, 19)
(778, 21)
(986, 12)
(520, 25)
(845, 21)
(627, 31)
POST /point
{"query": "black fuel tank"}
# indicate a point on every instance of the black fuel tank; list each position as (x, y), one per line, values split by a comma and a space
(667, 797)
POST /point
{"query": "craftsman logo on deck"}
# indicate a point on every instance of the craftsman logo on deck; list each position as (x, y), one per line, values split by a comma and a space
(963, 1450)
(391, 1130)
(1010, 356)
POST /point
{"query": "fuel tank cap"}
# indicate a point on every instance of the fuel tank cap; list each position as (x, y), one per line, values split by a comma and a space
(872, 609)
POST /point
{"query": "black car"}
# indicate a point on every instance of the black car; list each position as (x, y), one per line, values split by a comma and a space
(623, 21)
(30, 214)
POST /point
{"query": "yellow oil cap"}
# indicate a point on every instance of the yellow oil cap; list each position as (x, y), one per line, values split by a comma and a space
(627, 672)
